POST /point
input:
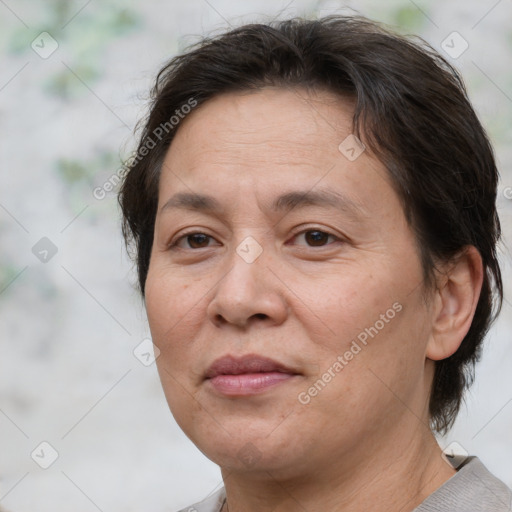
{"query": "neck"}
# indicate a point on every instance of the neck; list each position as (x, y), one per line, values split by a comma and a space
(380, 479)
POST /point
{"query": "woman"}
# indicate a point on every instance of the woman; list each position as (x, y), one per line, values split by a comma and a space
(312, 206)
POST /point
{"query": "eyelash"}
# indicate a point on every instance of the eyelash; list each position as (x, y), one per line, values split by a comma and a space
(174, 245)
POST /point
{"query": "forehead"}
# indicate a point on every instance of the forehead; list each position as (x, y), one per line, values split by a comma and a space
(268, 141)
(269, 122)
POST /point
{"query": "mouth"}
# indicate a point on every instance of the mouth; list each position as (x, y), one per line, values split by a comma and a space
(247, 375)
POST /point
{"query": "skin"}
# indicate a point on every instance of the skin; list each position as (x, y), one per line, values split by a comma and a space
(363, 441)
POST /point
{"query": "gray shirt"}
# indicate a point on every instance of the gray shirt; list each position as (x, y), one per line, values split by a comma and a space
(472, 489)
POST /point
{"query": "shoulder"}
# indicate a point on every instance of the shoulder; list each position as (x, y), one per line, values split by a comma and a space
(211, 504)
(473, 488)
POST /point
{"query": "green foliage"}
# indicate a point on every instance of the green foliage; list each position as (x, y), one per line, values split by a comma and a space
(73, 171)
(83, 34)
(68, 84)
(8, 272)
(409, 18)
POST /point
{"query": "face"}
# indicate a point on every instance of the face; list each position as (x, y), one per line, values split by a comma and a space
(288, 304)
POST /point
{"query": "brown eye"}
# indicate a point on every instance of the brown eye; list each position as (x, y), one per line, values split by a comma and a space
(316, 238)
(197, 240)
(194, 240)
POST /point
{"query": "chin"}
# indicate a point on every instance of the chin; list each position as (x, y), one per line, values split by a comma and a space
(252, 454)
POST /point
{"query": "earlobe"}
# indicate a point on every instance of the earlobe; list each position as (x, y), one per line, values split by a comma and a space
(455, 303)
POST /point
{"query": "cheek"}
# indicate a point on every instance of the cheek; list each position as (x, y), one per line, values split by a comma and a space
(170, 300)
(370, 319)
(172, 318)
(342, 305)
(173, 315)
(362, 384)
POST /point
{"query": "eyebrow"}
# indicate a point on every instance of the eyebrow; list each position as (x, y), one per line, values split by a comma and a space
(285, 202)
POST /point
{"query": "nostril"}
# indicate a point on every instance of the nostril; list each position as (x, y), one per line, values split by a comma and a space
(219, 318)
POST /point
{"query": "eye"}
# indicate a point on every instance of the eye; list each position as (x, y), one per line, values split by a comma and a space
(194, 240)
(198, 240)
(315, 237)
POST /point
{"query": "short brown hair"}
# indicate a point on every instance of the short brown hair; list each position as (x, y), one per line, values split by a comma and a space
(413, 110)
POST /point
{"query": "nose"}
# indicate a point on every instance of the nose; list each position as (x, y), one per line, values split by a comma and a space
(248, 293)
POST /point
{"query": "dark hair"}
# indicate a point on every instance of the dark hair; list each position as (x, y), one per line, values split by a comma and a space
(412, 109)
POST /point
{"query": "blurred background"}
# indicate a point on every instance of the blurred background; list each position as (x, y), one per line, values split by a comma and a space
(84, 423)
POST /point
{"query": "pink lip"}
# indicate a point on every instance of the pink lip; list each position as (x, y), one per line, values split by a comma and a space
(247, 375)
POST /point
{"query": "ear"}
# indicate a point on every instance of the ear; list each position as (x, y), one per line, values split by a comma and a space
(455, 303)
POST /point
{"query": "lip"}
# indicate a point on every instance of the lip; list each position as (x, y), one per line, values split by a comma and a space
(247, 375)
